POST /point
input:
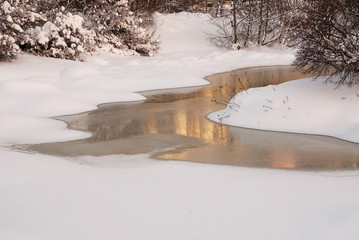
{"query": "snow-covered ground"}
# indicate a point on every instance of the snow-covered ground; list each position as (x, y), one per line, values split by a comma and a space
(301, 106)
(134, 197)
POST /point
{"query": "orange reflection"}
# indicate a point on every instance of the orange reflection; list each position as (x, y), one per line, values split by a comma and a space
(282, 159)
(181, 123)
(151, 125)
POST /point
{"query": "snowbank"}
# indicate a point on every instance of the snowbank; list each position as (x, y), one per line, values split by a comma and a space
(302, 106)
(132, 197)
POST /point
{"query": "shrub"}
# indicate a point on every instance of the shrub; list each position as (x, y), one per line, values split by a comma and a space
(9, 31)
(72, 29)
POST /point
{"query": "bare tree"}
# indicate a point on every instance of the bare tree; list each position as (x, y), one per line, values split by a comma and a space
(328, 39)
(250, 22)
(234, 10)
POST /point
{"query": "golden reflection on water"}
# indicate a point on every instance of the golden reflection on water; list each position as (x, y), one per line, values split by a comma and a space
(151, 126)
(178, 113)
(282, 159)
(182, 112)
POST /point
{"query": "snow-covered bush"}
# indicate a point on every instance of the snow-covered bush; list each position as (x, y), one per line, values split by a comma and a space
(120, 28)
(8, 32)
(39, 28)
(63, 37)
(72, 29)
(117, 28)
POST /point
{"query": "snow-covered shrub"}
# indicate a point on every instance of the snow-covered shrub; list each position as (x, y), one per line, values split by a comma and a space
(72, 29)
(119, 28)
(8, 48)
(63, 37)
(8, 32)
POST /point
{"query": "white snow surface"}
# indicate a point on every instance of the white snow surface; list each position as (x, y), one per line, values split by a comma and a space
(134, 197)
(302, 106)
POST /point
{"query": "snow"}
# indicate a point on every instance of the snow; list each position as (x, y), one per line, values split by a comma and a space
(134, 197)
(301, 106)
(145, 199)
(73, 21)
(6, 7)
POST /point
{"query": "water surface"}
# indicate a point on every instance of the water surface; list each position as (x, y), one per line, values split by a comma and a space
(172, 124)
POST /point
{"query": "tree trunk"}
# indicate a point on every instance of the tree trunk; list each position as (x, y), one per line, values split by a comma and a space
(265, 32)
(235, 40)
(249, 26)
(260, 22)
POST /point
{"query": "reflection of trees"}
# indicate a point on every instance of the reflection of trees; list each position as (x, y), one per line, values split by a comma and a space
(182, 113)
(149, 118)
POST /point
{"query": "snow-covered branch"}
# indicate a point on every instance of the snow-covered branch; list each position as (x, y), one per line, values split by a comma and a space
(72, 29)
